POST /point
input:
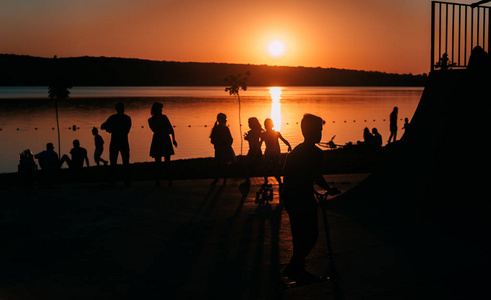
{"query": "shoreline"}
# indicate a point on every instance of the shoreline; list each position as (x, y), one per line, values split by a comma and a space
(194, 92)
(348, 160)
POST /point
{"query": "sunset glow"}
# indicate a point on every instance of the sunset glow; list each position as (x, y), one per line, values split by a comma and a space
(276, 48)
(276, 107)
(374, 35)
(275, 94)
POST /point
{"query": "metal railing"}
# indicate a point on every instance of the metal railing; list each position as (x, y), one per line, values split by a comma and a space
(455, 30)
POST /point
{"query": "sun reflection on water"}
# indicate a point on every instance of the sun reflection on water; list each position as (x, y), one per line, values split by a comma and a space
(276, 107)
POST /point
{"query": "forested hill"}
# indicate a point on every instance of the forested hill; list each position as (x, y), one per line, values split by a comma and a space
(18, 70)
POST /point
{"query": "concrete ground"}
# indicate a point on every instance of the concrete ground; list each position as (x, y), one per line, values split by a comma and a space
(184, 241)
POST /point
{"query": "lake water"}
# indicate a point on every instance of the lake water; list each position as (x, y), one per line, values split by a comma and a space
(27, 117)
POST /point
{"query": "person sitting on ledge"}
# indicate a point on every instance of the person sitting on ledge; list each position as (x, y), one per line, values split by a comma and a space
(48, 159)
(79, 155)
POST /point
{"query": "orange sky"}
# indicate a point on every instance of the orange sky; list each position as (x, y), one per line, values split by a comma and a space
(379, 35)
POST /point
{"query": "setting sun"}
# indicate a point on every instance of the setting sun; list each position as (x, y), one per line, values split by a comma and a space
(276, 48)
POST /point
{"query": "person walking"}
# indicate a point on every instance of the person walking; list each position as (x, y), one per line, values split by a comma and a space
(99, 147)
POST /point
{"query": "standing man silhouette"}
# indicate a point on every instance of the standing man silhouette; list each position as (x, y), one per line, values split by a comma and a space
(119, 125)
(393, 125)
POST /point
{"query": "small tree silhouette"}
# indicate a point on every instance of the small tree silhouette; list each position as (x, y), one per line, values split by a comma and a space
(236, 83)
(58, 90)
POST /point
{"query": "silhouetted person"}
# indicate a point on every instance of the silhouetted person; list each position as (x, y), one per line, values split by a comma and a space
(479, 60)
(377, 138)
(161, 144)
(79, 155)
(119, 125)
(444, 62)
(48, 159)
(272, 152)
(222, 141)
(368, 139)
(27, 169)
(406, 125)
(393, 125)
(254, 156)
(303, 167)
(99, 147)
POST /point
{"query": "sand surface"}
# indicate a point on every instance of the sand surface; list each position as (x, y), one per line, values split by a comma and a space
(186, 241)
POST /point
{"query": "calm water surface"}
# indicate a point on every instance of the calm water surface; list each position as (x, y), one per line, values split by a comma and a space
(28, 122)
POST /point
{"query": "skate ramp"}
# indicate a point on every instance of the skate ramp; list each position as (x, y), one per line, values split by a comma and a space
(430, 200)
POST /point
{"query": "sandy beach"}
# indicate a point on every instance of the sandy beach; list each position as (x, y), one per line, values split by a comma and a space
(189, 240)
(93, 241)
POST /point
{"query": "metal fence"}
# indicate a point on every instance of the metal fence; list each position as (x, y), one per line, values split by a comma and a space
(455, 30)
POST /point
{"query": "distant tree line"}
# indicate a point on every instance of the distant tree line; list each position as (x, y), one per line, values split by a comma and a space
(17, 70)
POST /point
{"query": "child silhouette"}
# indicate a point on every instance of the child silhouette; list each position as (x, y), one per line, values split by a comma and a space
(254, 156)
(99, 147)
(272, 153)
(303, 167)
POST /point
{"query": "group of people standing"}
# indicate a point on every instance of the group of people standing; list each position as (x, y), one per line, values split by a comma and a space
(119, 126)
(303, 166)
(374, 139)
(224, 154)
(164, 141)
